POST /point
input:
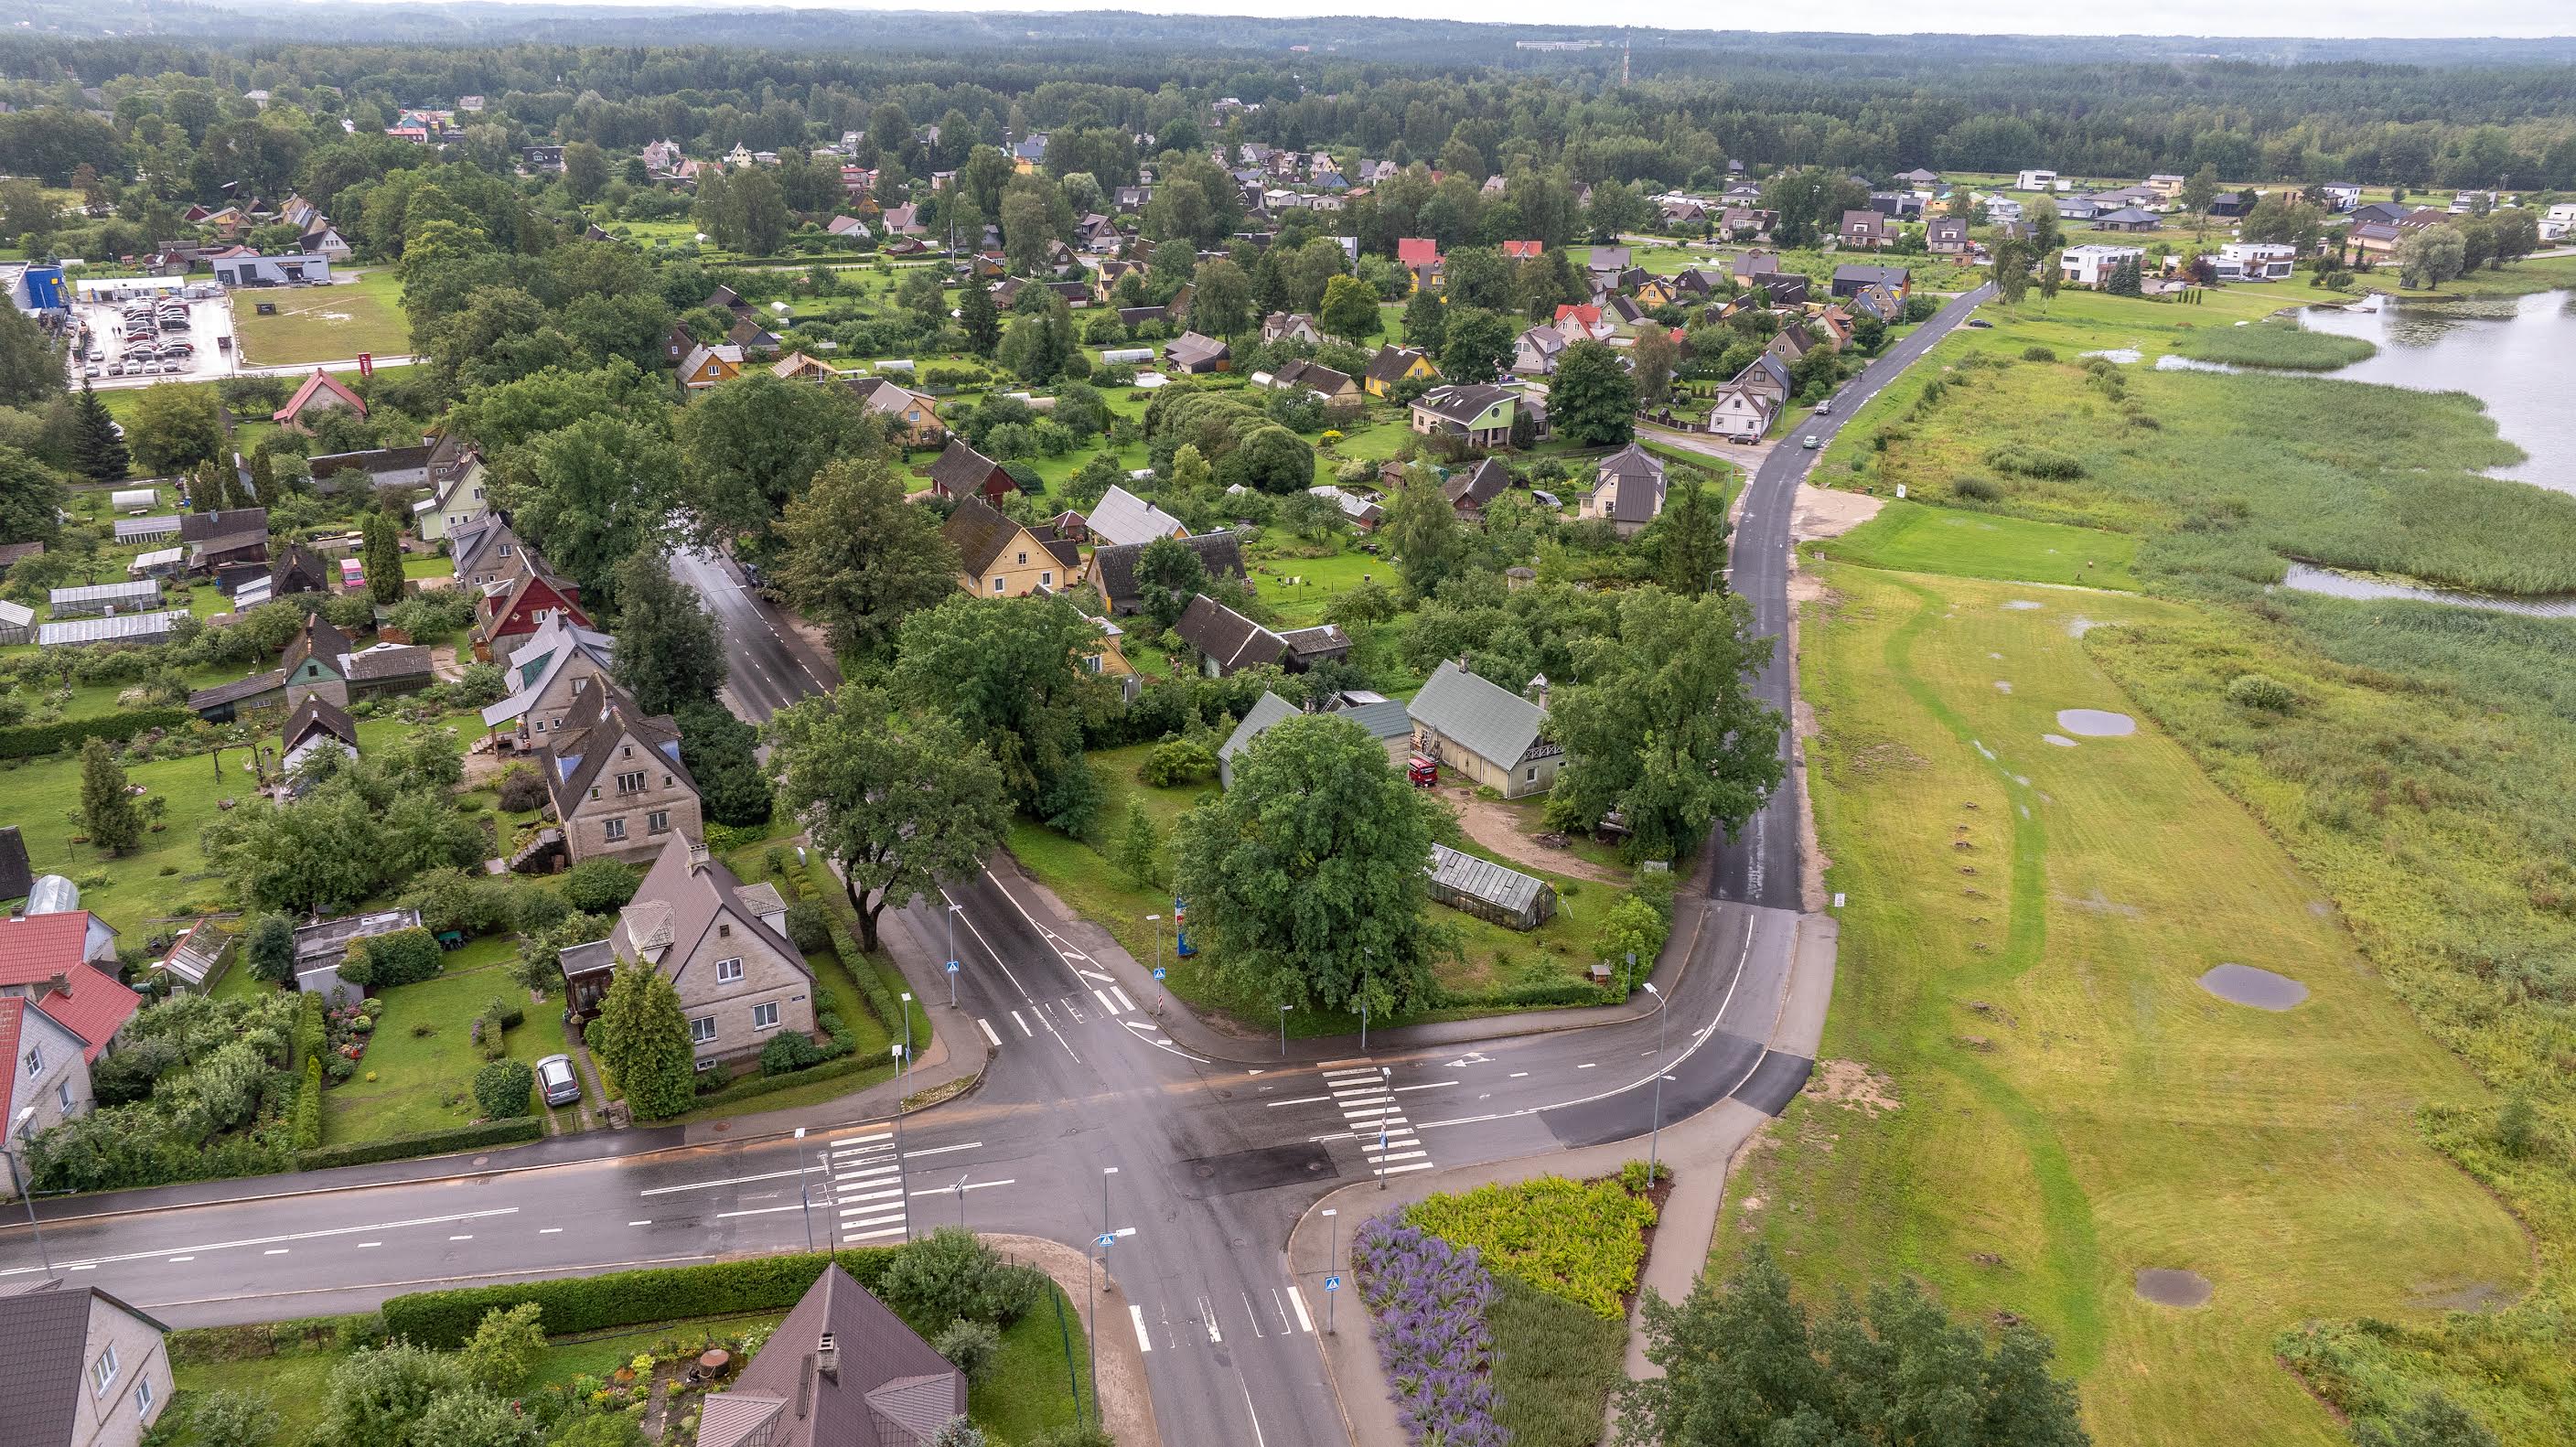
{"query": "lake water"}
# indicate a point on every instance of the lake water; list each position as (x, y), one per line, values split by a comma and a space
(2308, 578)
(2512, 353)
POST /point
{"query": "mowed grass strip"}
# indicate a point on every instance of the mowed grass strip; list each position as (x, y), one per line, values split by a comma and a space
(323, 323)
(2069, 1105)
(1912, 538)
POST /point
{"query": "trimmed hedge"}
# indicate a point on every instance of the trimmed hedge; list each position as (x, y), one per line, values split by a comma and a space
(310, 1033)
(425, 1143)
(750, 1087)
(28, 741)
(308, 1105)
(446, 1319)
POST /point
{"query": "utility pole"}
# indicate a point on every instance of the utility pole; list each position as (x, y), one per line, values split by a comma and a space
(24, 1187)
(1663, 1033)
(804, 1194)
(952, 964)
(1332, 1263)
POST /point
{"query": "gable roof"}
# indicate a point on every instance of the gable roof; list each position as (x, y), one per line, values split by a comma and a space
(44, 1336)
(961, 471)
(1191, 349)
(1121, 517)
(1463, 404)
(197, 527)
(1392, 362)
(583, 746)
(481, 534)
(1315, 376)
(1488, 721)
(883, 395)
(318, 638)
(1478, 485)
(885, 1386)
(1221, 553)
(682, 897)
(318, 714)
(979, 533)
(1266, 712)
(1232, 640)
(314, 385)
(1417, 251)
(549, 651)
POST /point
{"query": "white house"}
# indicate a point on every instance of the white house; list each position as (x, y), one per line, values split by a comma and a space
(2340, 196)
(1999, 209)
(2092, 264)
(2036, 181)
(2258, 260)
(1741, 414)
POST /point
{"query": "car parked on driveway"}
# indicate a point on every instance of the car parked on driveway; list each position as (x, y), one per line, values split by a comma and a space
(556, 1082)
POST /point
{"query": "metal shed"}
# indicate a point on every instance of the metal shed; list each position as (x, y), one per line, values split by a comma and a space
(115, 628)
(1488, 891)
(97, 598)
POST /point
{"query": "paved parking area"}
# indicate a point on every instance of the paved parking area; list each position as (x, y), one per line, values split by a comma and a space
(210, 323)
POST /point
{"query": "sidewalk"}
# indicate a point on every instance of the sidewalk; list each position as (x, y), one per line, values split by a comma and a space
(1692, 907)
(1699, 1150)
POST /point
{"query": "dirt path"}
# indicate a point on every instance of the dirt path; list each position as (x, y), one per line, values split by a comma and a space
(1826, 513)
(1498, 829)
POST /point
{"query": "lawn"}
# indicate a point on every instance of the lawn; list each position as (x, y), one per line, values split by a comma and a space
(1492, 958)
(1912, 538)
(2027, 1097)
(324, 323)
(425, 1081)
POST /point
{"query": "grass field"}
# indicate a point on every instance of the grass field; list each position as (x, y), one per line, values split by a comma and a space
(2025, 927)
(324, 323)
(1909, 537)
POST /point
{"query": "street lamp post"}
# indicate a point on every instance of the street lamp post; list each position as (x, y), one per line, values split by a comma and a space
(903, 1087)
(960, 1189)
(1332, 1263)
(804, 1193)
(1105, 1173)
(1628, 981)
(1386, 1076)
(953, 910)
(26, 1188)
(1283, 1032)
(1364, 1021)
(1156, 921)
(1663, 1033)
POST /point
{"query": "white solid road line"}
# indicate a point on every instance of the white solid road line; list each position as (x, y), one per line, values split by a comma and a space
(639, 1223)
(952, 1189)
(1144, 1340)
(988, 1032)
(1412, 1166)
(942, 1150)
(276, 1251)
(704, 1185)
(760, 1211)
(1305, 1323)
(289, 1237)
(872, 1235)
(542, 1231)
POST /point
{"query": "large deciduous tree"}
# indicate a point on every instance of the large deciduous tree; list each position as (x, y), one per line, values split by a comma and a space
(31, 499)
(1349, 309)
(1475, 346)
(1744, 1365)
(1592, 399)
(754, 443)
(670, 651)
(174, 428)
(1010, 671)
(1305, 878)
(593, 495)
(1688, 539)
(858, 559)
(1662, 724)
(899, 802)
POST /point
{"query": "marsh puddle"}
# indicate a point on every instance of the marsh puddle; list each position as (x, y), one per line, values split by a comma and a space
(2173, 1288)
(2246, 985)
(2024, 605)
(2057, 741)
(2095, 723)
(2333, 583)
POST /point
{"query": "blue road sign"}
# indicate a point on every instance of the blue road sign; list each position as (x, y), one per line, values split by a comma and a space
(1158, 972)
(1332, 1283)
(1104, 1239)
(952, 967)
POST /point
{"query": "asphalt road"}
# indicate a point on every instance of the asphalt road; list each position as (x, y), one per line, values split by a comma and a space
(1760, 866)
(1091, 1119)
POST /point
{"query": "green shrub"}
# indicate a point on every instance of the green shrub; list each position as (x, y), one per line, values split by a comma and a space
(404, 957)
(788, 1052)
(1582, 1240)
(506, 1014)
(1976, 489)
(424, 1143)
(233, 1419)
(502, 1088)
(447, 1319)
(2038, 354)
(808, 927)
(1182, 761)
(310, 1032)
(31, 741)
(2040, 462)
(951, 1275)
(2254, 690)
(600, 886)
(969, 1346)
(308, 1105)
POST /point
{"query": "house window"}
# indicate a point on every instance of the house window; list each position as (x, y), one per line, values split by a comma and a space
(631, 783)
(143, 1396)
(1533, 774)
(102, 1373)
(765, 1017)
(724, 931)
(505, 550)
(728, 971)
(1024, 560)
(613, 830)
(1046, 579)
(702, 1030)
(63, 1094)
(625, 751)
(35, 1060)
(541, 725)
(997, 582)
(658, 822)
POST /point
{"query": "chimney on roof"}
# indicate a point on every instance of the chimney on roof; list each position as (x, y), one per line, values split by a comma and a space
(1538, 691)
(827, 1356)
(698, 855)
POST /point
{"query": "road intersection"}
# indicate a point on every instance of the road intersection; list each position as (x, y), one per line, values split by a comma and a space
(1098, 1113)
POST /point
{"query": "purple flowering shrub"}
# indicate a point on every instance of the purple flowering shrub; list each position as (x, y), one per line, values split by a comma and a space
(1428, 1302)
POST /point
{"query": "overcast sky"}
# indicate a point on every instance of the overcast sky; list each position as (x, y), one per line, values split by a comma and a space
(2345, 18)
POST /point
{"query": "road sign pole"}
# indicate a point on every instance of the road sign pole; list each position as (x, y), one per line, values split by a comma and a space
(804, 1193)
(1332, 1267)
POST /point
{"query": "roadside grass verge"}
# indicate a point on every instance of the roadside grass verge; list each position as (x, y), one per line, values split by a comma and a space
(2280, 344)
(2027, 1097)
(1909, 537)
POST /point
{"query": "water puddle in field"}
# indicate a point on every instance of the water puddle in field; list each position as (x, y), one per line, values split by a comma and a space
(2059, 740)
(2172, 363)
(2095, 723)
(2121, 355)
(2464, 1296)
(2246, 985)
(2003, 685)
(2333, 583)
(2166, 1287)
(2079, 625)
(1981, 748)
(2024, 605)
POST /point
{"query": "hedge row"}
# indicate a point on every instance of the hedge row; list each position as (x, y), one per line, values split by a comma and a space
(426, 1143)
(28, 741)
(308, 1105)
(310, 1032)
(446, 1319)
(752, 1086)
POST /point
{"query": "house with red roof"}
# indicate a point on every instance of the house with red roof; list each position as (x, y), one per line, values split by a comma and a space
(1420, 258)
(320, 393)
(58, 1014)
(1523, 250)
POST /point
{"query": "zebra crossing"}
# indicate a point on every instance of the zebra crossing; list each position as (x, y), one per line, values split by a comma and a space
(867, 1188)
(1368, 1105)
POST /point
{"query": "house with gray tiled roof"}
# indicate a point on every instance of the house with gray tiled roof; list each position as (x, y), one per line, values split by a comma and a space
(85, 1368)
(742, 982)
(1485, 732)
(616, 780)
